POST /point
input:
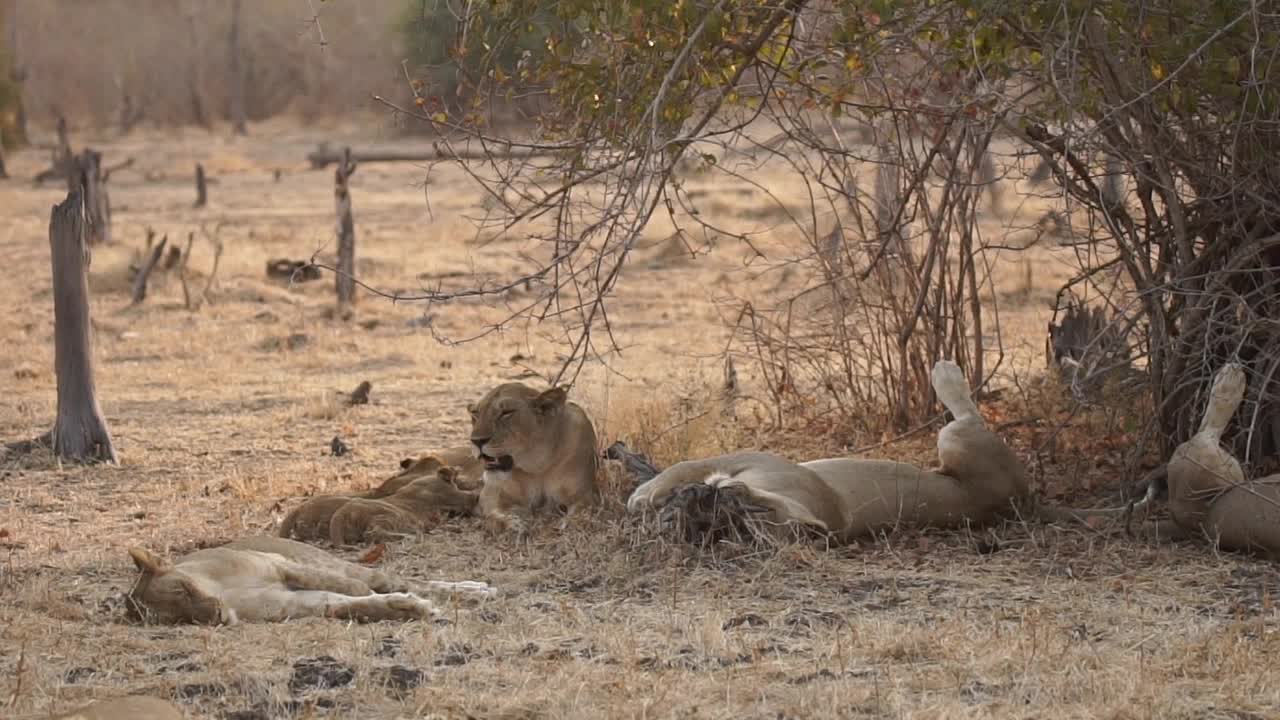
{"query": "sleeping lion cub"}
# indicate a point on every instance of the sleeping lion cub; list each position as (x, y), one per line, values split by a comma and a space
(271, 579)
(411, 501)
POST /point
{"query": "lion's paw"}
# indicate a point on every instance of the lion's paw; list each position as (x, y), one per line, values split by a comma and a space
(953, 389)
(410, 606)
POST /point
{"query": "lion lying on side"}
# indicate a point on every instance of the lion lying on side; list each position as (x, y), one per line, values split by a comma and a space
(408, 502)
(1208, 494)
(538, 450)
(981, 480)
(269, 579)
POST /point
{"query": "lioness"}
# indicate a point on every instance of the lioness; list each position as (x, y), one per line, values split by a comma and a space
(981, 479)
(537, 448)
(418, 489)
(270, 579)
(1208, 494)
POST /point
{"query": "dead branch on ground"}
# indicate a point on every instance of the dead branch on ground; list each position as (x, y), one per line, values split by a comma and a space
(140, 282)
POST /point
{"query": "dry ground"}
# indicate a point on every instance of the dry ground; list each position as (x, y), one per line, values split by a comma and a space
(222, 421)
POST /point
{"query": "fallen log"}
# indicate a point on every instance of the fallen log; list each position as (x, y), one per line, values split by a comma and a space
(324, 156)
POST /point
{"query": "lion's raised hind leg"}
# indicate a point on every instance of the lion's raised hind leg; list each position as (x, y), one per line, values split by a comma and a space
(952, 388)
(1224, 400)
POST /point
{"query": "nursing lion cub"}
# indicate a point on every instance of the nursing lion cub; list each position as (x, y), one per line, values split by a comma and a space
(270, 579)
(411, 501)
(538, 449)
(981, 480)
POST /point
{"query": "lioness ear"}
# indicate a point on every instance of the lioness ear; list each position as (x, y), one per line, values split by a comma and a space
(472, 410)
(406, 463)
(550, 400)
(147, 562)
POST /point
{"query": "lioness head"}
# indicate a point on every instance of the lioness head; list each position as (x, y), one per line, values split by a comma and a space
(514, 426)
(166, 594)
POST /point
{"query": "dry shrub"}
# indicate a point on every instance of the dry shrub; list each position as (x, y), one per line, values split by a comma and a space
(692, 420)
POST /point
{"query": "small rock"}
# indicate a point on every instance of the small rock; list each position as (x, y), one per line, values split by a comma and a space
(337, 447)
(320, 673)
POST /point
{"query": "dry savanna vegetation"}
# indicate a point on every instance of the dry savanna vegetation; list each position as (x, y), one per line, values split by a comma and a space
(226, 389)
(223, 417)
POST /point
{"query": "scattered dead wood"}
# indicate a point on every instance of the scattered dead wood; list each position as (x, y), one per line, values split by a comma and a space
(292, 270)
(80, 432)
(213, 273)
(182, 271)
(140, 282)
(323, 156)
(345, 278)
(88, 176)
(62, 164)
(202, 193)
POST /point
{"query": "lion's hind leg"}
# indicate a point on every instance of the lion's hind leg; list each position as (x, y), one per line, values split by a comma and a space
(305, 577)
(784, 509)
(952, 389)
(1224, 400)
(369, 608)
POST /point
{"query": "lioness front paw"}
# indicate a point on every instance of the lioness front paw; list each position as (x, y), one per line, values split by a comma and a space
(642, 497)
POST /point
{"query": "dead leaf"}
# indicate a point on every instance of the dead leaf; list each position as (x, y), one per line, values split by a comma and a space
(373, 555)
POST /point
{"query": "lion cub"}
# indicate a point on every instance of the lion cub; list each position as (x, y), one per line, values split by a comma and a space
(538, 449)
(270, 579)
(406, 503)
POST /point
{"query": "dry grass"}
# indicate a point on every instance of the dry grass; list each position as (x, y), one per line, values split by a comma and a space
(221, 420)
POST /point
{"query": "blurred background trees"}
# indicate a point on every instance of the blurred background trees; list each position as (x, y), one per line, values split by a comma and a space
(1152, 127)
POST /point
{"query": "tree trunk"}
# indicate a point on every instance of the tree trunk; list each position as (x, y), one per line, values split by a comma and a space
(17, 71)
(345, 280)
(80, 432)
(195, 80)
(202, 194)
(87, 175)
(236, 71)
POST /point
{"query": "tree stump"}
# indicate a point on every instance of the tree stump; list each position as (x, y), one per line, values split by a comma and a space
(140, 282)
(345, 279)
(80, 432)
(202, 193)
(87, 176)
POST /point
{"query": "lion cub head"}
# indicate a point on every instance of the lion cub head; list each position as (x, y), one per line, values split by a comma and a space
(169, 595)
(515, 426)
